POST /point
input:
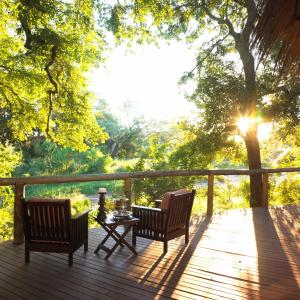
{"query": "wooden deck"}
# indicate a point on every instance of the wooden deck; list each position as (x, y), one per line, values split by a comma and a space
(248, 254)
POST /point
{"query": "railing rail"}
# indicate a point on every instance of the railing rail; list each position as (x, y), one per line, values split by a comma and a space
(124, 175)
(21, 182)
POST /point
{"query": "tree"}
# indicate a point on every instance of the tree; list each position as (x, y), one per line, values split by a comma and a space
(127, 139)
(46, 49)
(229, 87)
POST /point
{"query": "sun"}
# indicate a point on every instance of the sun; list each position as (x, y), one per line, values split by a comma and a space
(263, 129)
(244, 124)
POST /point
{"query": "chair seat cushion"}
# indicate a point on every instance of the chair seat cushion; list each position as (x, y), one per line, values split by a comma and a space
(166, 198)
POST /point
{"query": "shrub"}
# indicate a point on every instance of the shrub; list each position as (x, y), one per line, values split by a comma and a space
(9, 159)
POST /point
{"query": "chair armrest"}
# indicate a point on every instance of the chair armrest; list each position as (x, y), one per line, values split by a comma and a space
(79, 227)
(139, 207)
(80, 214)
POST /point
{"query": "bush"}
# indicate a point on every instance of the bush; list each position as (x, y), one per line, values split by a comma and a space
(284, 189)
(46, 158)
(9, 159)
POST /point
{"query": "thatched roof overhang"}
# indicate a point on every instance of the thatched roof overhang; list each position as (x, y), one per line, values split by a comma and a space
(279, 23)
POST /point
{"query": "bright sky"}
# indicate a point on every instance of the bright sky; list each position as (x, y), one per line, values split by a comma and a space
(147, 77)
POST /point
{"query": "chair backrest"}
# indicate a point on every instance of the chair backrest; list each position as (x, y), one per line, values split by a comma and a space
(47, 219)
(179, 210)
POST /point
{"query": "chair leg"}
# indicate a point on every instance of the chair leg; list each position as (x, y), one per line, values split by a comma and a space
(133, 239)
(27, 255)
(187, 238)
(86, 246)
(70, 259)
(165, 246)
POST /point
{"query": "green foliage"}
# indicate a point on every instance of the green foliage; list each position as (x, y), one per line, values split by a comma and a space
(153, 189)
(200, 202)
(157, 157)
(46, 158)
(228, 194)
(125, 140)
(79, 204)
(9, 159)
(231, 195)
(284, 189)
(282, 149)
(87, 188)
(46, 48)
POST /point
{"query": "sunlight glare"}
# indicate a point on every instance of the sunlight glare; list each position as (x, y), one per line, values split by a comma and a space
(244, 124)
(263, 129)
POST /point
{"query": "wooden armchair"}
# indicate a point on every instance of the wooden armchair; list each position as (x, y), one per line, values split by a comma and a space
(49, 227)
(169, 221)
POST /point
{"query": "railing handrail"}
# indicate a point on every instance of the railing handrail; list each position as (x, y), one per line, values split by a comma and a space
(135, 175)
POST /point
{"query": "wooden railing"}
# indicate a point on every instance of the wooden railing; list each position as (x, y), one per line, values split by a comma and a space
(21, 182)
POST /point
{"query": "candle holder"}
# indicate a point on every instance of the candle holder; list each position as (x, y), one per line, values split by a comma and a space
(101, 216)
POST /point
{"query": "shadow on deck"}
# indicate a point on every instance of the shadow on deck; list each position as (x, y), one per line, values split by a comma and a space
(242, 254)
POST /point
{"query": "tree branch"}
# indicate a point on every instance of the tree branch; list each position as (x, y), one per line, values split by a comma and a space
(282, 88)
(47, 69)
(226, 21)
(251, 18)
(6, 68)
(51, 92)
(226, 9)
(29, 37)
(208, 53)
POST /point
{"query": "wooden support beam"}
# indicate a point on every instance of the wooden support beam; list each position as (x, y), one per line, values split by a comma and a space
(265, 191)
(210, 194)
(18, 213)
(127, 189)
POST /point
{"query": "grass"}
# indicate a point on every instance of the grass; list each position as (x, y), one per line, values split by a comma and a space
(87, 188)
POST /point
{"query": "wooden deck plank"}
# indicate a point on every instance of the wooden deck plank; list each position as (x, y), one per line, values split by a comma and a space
(6, 294)
(67, 276)
(242, 254)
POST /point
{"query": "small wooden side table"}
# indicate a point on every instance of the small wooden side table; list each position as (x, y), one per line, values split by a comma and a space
(110, 226)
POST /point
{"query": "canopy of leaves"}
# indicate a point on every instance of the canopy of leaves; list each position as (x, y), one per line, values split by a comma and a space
(46, 48)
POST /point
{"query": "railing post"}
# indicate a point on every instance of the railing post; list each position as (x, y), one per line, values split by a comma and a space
(210, 194)
(265, 191)
(18, 217)
(127, 188)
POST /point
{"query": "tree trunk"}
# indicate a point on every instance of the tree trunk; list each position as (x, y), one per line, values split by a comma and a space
(254, 162)
(248, 109)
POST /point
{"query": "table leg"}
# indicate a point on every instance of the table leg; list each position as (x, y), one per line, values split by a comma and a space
(121, 239)
(110, 232)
